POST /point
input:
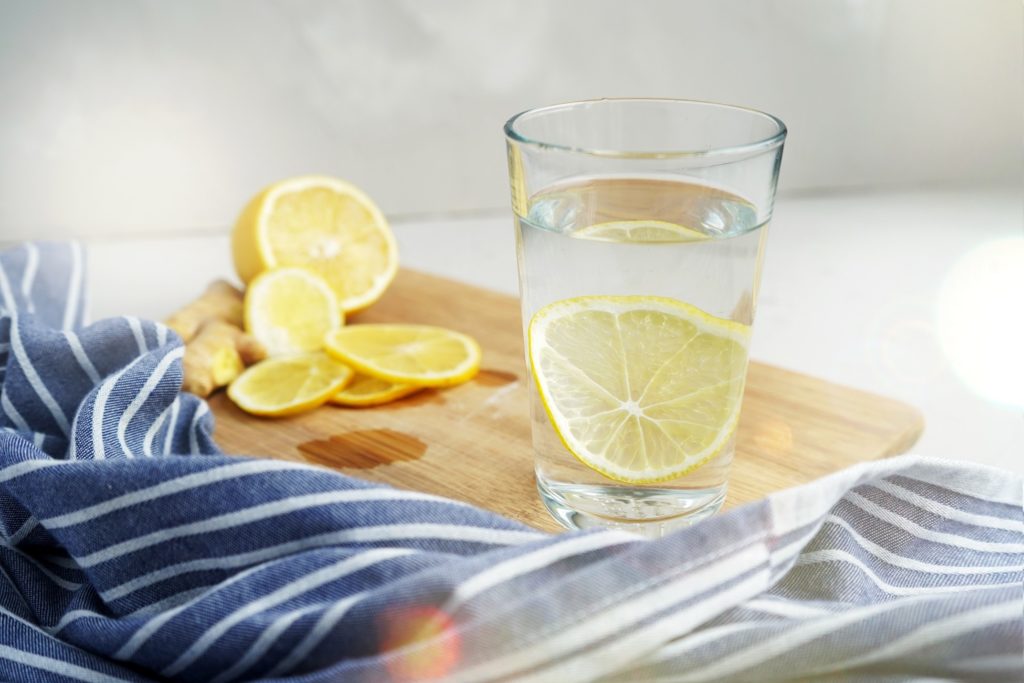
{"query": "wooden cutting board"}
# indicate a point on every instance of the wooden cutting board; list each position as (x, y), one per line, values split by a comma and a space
(472, 442)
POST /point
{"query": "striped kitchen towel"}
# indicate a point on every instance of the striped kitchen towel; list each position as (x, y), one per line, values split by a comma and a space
(133, 550)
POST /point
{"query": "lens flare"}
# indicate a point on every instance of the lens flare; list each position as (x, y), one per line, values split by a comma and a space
(420, 643)
(980, 320)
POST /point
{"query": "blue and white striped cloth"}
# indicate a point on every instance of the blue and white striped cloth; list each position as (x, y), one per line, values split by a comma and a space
(133, 550)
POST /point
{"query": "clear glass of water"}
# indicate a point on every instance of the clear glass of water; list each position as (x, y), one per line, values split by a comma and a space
(640, 232)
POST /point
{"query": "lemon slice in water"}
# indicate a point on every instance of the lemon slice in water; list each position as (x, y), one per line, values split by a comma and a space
(642, 389)
(640, 231)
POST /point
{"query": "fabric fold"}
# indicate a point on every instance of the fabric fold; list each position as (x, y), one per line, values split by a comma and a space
(133, 549)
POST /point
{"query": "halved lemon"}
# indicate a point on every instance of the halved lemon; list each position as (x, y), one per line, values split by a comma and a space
(420, 355)
(640, 231)
(642, 389)
(324, 224)
(364, 390)
(289, 384)
(289, 310)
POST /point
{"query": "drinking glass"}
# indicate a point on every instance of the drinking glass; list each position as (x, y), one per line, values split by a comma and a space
(640, 232)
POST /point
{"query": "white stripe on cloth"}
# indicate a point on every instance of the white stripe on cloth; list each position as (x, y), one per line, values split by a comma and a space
(29, 276)
(147, 442)
(621, 612)
(75, 283)
(688, 643)
(136, 327)
(82, 357)
(634, 644)
(170, 487)
(792, 508)
(56, 580)
(530, 562)
(34, 380)
(4, 612)
(145, 632)
(144, 393)
(23, 468)
(914, 529)
(49, 665)
(896, 560)
(731, 664)
(280, 507)
(161, 334)
(171, 601)
(10, 304)
(969, 479)
(12, 413)
(305, 584)
(784, 608)
(25, 529)
(841, 556)
(264, 642)
(99, 406)
(193, 430)
(933, 633)
(173, 423)
(943, 510)
(327, 540)
(73, 437)
(327, 621)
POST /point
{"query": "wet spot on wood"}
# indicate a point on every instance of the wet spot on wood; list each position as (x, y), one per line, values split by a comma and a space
(364, 449)
(495, 378)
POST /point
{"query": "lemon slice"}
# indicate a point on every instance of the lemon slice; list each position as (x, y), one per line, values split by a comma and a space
(641, 389)
(419, 355)
(324, 224)
(289, 384)
(640, 231)
(290, 310)
(364, 390)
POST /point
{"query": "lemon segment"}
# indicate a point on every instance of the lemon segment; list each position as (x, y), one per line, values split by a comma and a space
(420, 355)
(640, 231)
(289, 310)
(289, 384)
(324, 224)
(364, 390)
(641, 389)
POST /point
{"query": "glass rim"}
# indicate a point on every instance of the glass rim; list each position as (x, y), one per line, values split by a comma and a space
(755, 146)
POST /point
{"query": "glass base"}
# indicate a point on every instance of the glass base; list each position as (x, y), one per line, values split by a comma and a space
(646, 511)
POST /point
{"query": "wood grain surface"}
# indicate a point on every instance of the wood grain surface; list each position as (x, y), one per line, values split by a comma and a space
(472, 442)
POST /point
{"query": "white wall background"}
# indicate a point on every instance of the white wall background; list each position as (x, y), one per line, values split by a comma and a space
(146, 117)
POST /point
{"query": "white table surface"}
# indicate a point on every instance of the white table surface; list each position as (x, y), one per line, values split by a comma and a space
(865, 290)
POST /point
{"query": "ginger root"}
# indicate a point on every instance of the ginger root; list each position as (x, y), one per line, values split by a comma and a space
(220, 301)
(216, 348)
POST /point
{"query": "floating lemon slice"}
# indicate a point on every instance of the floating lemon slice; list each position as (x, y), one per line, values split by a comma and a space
(419, 355)
(641, 389)
(640, 231)
(289, 310)
(289, 384)
(364, 390)
(320, 223)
